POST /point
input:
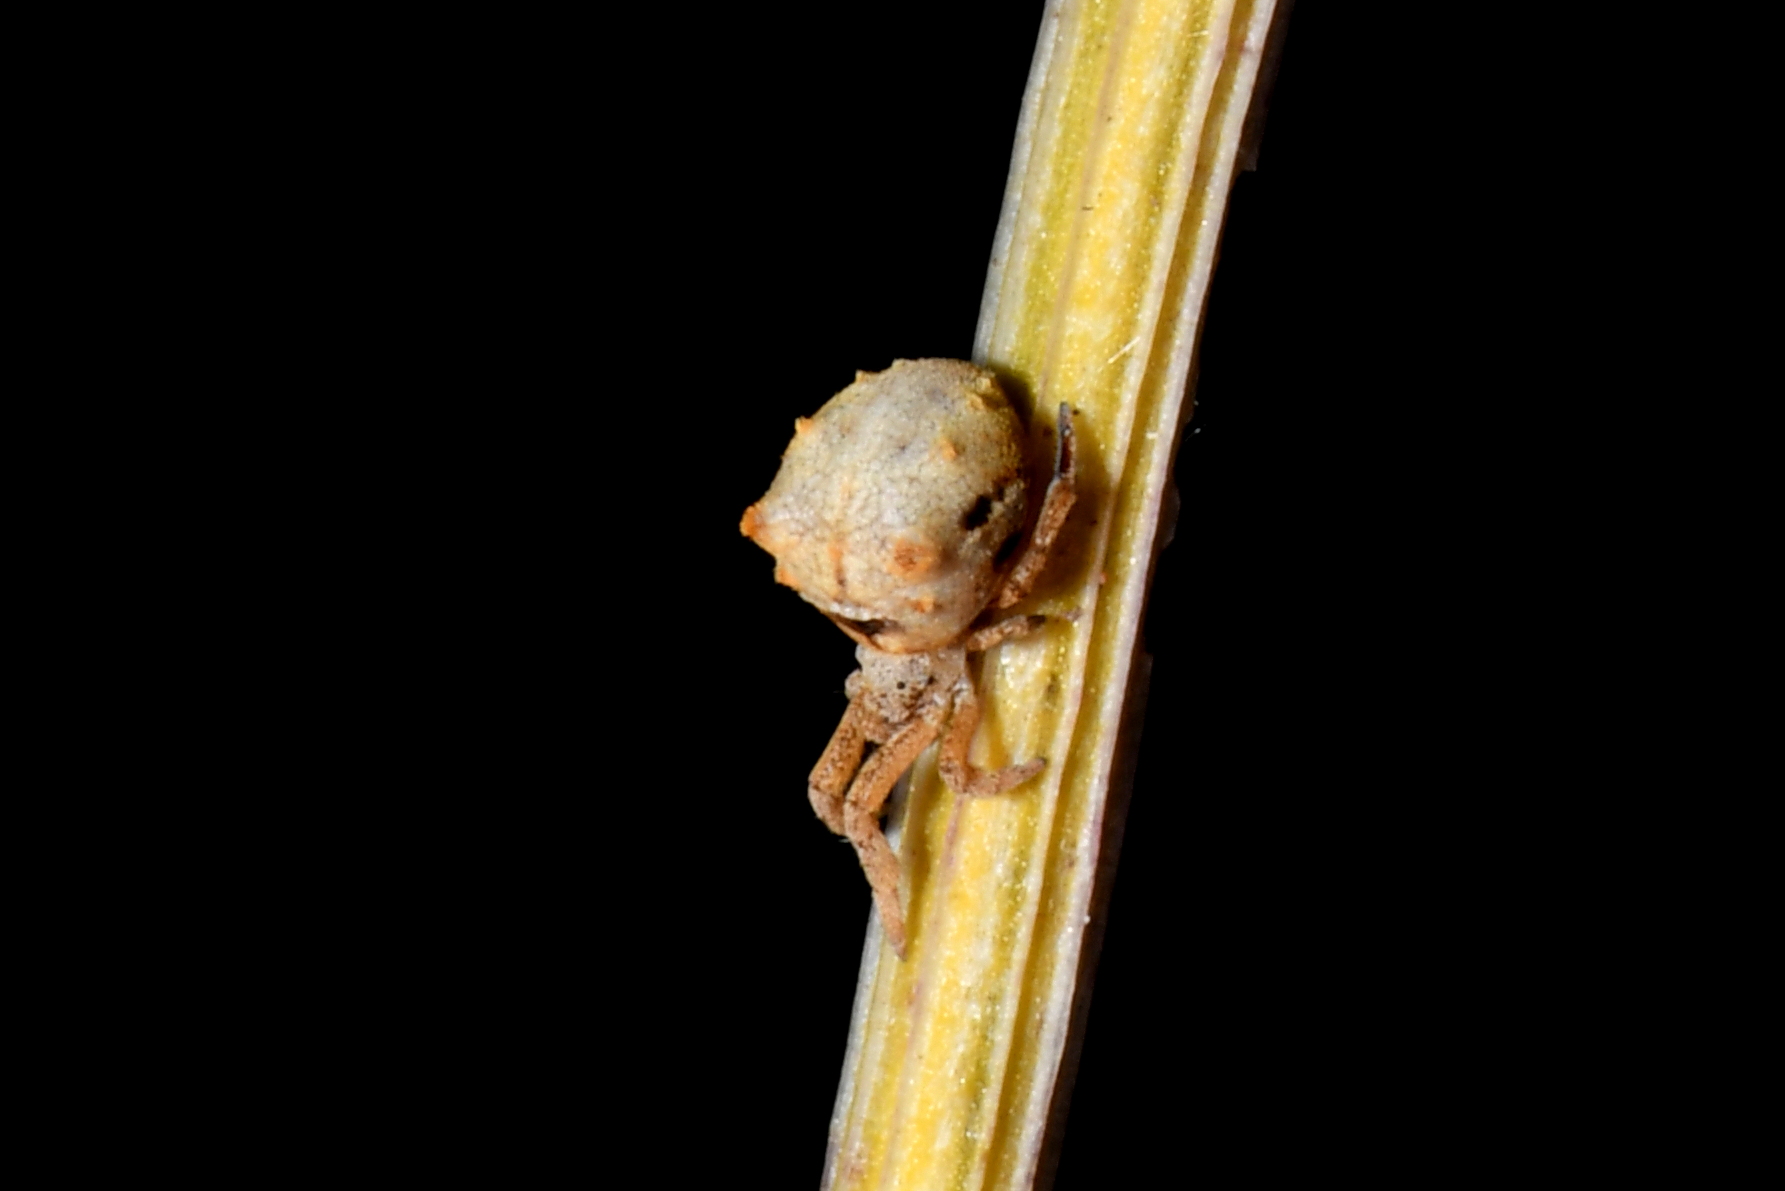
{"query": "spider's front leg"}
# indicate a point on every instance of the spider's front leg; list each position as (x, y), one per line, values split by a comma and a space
(861, 814)
(1061, 492)
(962, 776)
(842, 756)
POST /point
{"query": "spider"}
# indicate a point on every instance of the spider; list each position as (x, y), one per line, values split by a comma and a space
(898, 511)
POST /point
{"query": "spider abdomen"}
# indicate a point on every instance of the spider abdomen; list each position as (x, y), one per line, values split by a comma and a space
(898, 503)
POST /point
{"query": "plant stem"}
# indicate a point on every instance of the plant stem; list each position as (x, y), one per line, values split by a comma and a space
(1117, 188)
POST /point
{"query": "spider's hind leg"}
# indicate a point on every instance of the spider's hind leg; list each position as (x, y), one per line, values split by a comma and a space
(993, 634)
(1061, 492)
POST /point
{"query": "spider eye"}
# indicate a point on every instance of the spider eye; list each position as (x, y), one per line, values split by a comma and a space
(1008, 548)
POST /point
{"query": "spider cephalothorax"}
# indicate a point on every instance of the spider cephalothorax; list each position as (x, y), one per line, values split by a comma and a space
(898, 511)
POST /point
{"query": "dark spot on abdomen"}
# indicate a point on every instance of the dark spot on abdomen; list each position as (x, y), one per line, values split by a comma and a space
(978, 515)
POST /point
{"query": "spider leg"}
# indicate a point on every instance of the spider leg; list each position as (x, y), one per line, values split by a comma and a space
(1017, 626)
(830, 777)
(861, 818)
(962, 776)
(1054, 507)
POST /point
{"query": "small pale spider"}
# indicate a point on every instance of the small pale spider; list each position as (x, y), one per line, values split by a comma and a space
(898, 511)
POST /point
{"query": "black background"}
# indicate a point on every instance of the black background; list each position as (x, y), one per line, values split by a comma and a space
(530, 871)
(425, 746)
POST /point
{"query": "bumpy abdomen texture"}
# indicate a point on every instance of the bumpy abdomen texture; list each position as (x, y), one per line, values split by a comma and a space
(898, 502)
